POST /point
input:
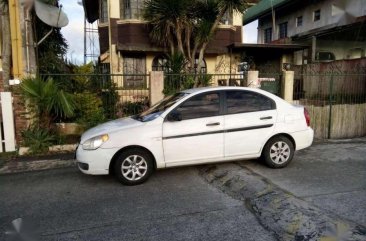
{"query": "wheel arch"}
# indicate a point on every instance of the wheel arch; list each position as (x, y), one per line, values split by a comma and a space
(288, 136)
(115, 156)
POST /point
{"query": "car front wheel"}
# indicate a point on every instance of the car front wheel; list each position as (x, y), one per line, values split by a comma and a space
(278, 152)
(133, 166)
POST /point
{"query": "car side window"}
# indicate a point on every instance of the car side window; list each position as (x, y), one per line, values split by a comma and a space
(200, 106)
(247, 101)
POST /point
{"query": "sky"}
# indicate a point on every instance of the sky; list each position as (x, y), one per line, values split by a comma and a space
(74, 31)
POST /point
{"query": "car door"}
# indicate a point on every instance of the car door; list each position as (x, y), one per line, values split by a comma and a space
(198, 134)
(249, 121)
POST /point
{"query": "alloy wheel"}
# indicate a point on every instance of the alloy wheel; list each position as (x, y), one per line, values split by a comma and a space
(134, 167)
(280, 152)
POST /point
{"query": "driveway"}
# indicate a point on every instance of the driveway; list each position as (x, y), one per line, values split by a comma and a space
(180, 204)
(330, 175)
(175, 204)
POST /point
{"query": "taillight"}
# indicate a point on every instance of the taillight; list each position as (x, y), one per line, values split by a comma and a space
(307, 116)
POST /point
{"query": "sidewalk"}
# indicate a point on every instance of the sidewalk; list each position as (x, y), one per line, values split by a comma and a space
(37, 163)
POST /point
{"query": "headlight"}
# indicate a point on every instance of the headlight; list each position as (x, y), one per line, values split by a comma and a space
(95, 142)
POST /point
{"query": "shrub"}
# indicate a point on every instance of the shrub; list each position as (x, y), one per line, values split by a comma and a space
(46, 101)
(89, 110)
(38, 140)
(132, 108)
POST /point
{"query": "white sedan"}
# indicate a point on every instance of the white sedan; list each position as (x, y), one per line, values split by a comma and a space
(196, 126)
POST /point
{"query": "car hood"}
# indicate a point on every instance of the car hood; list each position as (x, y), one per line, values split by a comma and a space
(109, 127)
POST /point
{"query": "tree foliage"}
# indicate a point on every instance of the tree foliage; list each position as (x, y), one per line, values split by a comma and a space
(46, 101)
(51, 52)
(187, 26)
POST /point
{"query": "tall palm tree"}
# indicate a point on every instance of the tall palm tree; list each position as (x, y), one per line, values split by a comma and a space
(187, 26)
(169, 20)
(219, 8)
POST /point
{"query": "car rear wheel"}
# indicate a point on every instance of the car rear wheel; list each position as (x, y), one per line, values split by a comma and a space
(133, 166)
(278, 152)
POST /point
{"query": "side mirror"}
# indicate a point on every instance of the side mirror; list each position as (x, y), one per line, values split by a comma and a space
(174, 116)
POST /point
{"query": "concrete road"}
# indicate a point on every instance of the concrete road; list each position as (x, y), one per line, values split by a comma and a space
(331, 175)
(175, 204)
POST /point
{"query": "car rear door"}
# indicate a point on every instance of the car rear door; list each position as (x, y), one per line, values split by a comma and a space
(249, 121)
(199, 133)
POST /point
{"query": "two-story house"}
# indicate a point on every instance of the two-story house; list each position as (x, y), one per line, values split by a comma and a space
(126, 44)
(335, 29)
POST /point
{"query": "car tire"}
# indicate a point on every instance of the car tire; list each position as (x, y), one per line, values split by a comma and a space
(278, 152)
(133, 166)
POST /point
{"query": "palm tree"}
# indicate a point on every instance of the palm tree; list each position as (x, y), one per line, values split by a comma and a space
(46, 100)
(217, 8)
(187, 26)
(169, 19)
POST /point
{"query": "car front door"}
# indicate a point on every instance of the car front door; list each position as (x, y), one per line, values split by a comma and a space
(193, 132)
(249, 121)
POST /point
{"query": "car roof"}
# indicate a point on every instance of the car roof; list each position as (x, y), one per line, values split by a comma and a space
(220, 88)
(217, 88)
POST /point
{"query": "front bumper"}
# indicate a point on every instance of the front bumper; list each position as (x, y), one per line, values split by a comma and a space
(94, 162)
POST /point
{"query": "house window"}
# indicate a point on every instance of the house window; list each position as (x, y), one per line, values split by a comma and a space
(134, 68)
(160, 63)
(104, 11)
(282, 30)
(267, 35)
(131, 9)
(317, 15)
(227, 19)
(299, 21)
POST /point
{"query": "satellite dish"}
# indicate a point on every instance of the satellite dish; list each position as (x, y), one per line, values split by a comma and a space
(51, 15)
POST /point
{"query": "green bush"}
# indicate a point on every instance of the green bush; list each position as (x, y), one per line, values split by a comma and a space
(38, 140)
(89, 111)
(46, 101)
(132, 108)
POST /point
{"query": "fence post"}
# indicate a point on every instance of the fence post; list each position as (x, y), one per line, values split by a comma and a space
(156, 86)
(253, 80)
(8, 121)
(287, 85)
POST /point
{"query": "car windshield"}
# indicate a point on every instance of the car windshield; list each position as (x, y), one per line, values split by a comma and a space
(156, 110)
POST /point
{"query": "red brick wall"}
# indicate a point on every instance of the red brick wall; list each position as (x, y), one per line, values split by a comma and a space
(19, 110)
(21, 122)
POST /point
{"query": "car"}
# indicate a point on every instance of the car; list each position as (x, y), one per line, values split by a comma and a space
(197, 126)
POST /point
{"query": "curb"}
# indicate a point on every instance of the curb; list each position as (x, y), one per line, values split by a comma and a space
(287, 216)
(38, 165)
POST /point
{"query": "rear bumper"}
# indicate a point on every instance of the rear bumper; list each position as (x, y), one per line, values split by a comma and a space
(94, 162)
(303, 139)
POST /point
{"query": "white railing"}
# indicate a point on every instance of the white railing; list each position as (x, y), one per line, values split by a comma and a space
(7, 132)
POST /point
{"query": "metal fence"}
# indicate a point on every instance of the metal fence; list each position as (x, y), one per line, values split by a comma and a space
(336, 102)
(101, 97)
(177, 82)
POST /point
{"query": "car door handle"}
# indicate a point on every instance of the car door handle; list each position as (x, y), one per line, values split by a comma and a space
(266, 118)
(213, 124)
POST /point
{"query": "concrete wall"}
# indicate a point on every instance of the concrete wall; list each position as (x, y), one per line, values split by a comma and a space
(338, 12)
(342, 49)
